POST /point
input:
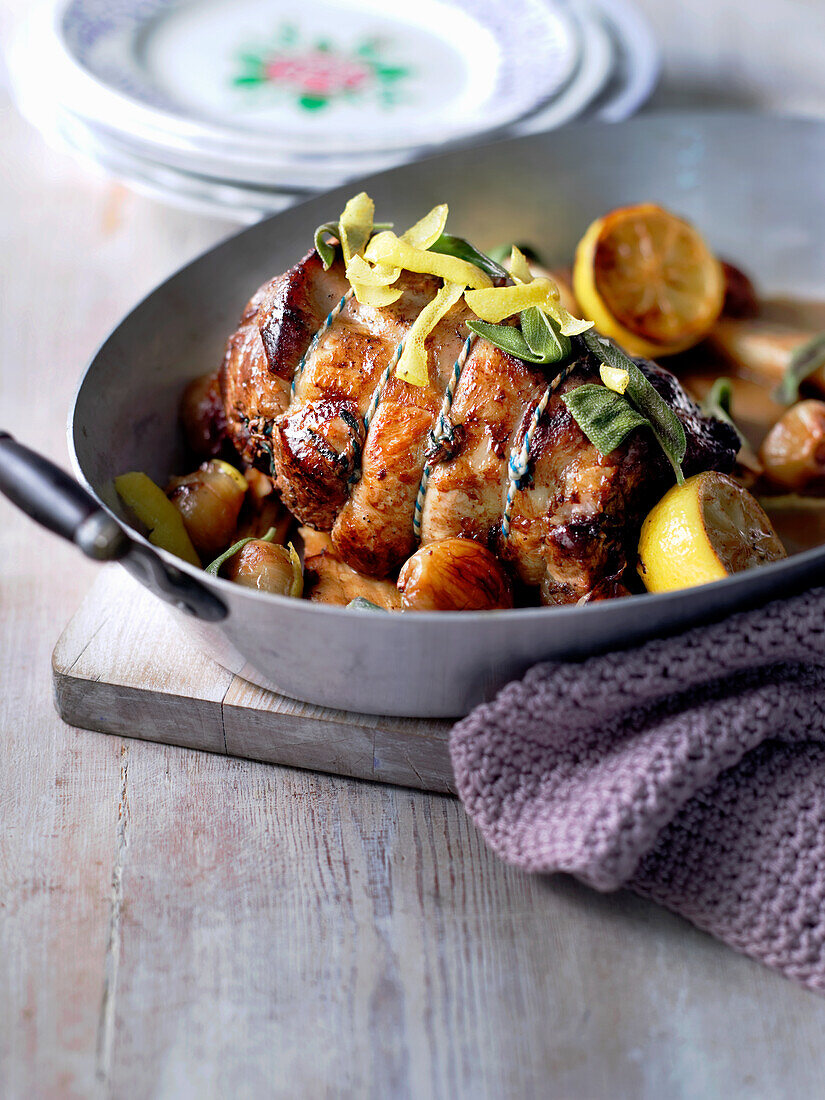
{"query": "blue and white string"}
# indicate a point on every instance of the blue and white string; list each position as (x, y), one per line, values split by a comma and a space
(375, 401)
(442, 432)
(519, 461)
(379, 389)
(333, 313)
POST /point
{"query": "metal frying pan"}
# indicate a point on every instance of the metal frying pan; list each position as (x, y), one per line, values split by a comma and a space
(753, 184)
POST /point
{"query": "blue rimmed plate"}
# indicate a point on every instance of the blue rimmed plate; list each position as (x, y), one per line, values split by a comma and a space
(336, 76)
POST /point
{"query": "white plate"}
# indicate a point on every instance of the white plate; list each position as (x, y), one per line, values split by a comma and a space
(248, 202)
(198, 194)
(596, 64)
(302, 173)
(638, 63)
(44, 84)
(616, 72)
(334, 75)
(315, 173)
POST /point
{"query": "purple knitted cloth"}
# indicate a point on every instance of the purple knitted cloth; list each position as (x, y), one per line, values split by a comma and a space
(691, 770)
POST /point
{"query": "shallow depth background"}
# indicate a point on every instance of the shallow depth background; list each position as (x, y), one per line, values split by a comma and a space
(181, 924)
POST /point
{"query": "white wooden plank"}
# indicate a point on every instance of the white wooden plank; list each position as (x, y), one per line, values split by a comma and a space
(407, 751)
(122, 666)
(70, 269)
(181, 924)
(328, 937)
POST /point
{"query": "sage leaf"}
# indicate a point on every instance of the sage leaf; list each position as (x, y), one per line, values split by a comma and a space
(537, 341)
(360, 603)
(605, 417)
(719, 404)
(447, 245)
(806, 359)
(214, 568)
(543, 337)
(505, 337)
(499, 253)
(322, 246)
(325, 248)
(665, 424)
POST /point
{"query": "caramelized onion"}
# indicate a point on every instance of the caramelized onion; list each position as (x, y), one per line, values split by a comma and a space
(793, 451)
(210, 501)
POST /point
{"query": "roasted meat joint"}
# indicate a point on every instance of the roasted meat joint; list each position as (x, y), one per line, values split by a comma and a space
(435, 430)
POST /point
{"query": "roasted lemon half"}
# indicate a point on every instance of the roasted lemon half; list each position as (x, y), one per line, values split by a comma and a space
(648, 280)
(704, 531)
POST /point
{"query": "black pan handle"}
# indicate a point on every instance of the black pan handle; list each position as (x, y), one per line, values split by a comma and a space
(57, 502)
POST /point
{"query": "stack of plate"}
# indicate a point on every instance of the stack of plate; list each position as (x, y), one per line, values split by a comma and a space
(242, 107)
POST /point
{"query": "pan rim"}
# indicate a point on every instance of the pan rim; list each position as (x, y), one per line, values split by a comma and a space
(778, 571)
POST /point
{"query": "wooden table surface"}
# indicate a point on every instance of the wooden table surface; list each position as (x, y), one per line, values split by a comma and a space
(178, 924)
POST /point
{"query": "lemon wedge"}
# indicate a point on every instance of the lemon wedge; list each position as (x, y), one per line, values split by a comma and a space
(157, 513)
(704, 530)
(648, 280)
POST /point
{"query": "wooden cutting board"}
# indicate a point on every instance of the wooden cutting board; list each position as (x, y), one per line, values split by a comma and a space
(122, 666)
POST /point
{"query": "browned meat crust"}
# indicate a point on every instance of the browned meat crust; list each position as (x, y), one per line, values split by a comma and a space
(202, 416)
(576, 516)
(275, 330)
(327, 579)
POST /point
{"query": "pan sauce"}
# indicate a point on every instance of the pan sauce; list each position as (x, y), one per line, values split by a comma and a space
(755, 410)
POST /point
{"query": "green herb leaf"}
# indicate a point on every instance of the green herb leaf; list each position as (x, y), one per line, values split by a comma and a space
(543, 336)
(362, 604)
(718, 403)
(214, 568)
(506, 337)
(501, 252)
(807, 358)
(665, 424)
(322, 246)
(719, 399)
(605, 417)
(326, 250)
(537, 341)
(447, 245)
